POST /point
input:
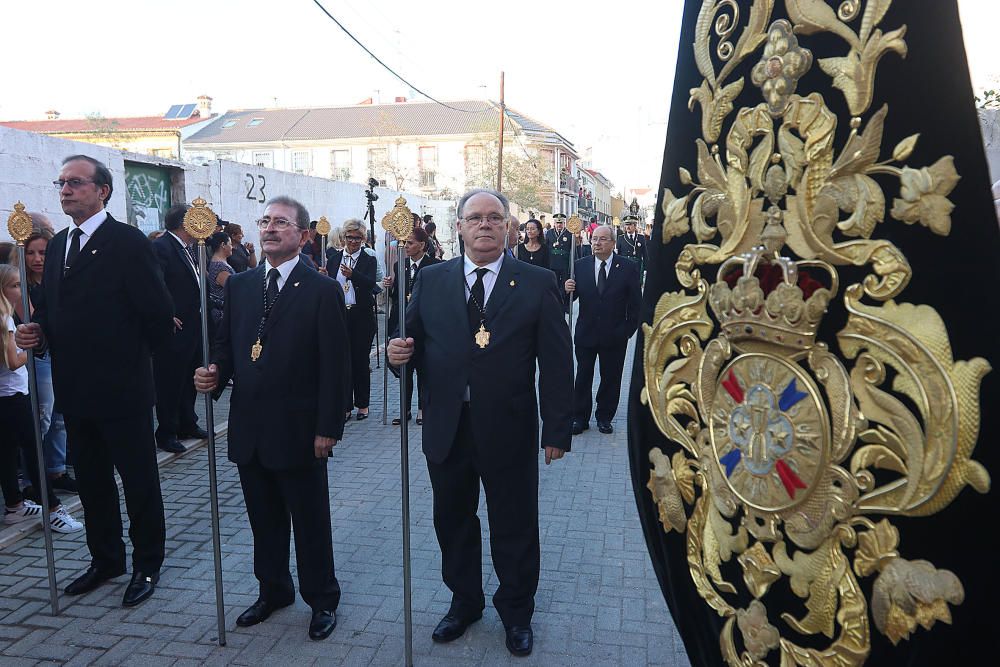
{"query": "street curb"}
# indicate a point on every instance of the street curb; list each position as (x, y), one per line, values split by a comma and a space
(12, 534)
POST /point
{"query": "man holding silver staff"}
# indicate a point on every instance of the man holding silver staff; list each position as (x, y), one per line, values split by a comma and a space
(101, 309)
(285, 417)
(481, 415)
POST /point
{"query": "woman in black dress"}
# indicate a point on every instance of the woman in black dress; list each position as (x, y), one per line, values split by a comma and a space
(534, 250)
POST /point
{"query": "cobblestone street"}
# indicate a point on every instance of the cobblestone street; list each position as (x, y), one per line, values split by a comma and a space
(598, 602)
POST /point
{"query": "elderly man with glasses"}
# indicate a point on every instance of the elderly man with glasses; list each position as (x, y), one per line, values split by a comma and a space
(481, 413)
(284, 417)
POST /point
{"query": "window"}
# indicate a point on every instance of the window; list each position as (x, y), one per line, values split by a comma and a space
(475, 164)
(163, 152)
(302, 162)
(254, 122)
(263, 159)
(340, 164)
(427, 161)
(378, 162)
(223, 155)
(228, 124)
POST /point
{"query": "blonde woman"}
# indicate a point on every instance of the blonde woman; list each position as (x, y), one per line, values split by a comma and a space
(16, 420)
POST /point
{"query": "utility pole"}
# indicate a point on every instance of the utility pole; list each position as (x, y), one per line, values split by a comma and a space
(503, 117)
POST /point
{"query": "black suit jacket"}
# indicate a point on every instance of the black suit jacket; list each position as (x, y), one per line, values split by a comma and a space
(363, 276)
(611, 317)
(524, 315)
(279, 405)
(635, 250)
(181, 280)
(393, 315)
(101, 321)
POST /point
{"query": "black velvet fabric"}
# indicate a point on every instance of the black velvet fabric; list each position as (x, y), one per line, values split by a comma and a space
(929, 92)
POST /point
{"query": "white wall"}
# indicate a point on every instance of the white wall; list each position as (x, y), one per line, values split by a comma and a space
(30, 162)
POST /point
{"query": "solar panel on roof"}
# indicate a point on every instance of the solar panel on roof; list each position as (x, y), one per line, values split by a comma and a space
(173, 111)
(186, 111)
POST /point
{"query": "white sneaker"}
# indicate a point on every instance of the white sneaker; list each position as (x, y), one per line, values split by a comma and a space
(27, 510)
(63, 522)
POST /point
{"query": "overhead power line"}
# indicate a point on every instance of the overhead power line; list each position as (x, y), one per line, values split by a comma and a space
(389, 69)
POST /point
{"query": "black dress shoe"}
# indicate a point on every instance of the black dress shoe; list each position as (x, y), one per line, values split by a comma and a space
(605, 427)
(172, 445)
(140, 588)
(322, 624)
(452, 627)
(579, 427)
(90, 580)
(361, 416)
(258, 612)
(520, 639)
(194, 433)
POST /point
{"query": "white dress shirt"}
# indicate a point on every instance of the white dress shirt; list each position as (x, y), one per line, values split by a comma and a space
(284, 270)
(607, 268)
(489, 280)
(87, 230)
(348, 285)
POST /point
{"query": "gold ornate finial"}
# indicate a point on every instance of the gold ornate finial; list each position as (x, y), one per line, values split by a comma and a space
(398, 221)
(323, 226)
(574, 224)
(19, 224)
(200, 221)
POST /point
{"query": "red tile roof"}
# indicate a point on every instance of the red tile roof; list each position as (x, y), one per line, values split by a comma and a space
(133, 124)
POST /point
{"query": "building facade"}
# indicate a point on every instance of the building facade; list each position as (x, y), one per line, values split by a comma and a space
(436, 150)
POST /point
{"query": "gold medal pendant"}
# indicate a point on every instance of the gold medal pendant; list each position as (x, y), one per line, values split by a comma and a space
(347, 287)
(255, 350)
(482, 337)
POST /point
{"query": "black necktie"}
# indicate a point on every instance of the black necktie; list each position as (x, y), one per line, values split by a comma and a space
(74, 247)
(477, 300)
(271, 293)
(602, 278)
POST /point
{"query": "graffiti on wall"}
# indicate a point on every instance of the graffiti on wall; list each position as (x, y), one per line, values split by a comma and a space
(147, 195)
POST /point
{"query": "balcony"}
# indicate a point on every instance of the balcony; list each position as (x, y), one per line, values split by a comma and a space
(427, 178)
(341, 174)
(567, 182)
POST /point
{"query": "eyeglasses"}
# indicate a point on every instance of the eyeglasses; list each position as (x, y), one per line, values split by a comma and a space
(493, 219)
(277, 223)
(355, 239)
(73, 183)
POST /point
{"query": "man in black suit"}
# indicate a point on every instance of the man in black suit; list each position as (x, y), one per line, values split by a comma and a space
(417, 258)
(631, 244)
(560, 243)
(610, 298)
(355, 270)
(175, 361)
(481, 415)
(102, 308)
(285, 417)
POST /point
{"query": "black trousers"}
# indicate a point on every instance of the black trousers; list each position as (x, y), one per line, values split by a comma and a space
(360, 332)
(512, 506)
(612, 360)
(409, 388)
(98, 448)
(17, 440)
(173, 370)
(276, 500)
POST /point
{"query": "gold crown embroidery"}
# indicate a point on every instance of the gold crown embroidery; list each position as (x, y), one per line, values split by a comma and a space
(792, 461)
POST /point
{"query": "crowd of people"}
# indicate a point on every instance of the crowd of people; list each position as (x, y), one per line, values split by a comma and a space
(477, 397)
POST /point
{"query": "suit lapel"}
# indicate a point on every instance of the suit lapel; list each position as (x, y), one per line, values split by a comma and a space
(94, 249)
(289, 292)
(504, 286)
(186, 258)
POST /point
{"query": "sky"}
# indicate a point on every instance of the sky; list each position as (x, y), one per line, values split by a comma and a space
(600, 74)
